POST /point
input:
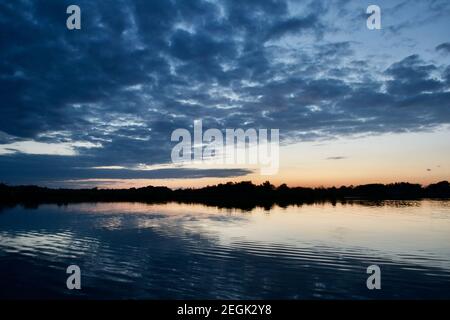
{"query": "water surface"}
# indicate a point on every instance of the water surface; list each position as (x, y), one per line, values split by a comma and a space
(180, 251)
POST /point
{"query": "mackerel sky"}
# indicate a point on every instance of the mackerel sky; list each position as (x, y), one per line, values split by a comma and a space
(96, 106)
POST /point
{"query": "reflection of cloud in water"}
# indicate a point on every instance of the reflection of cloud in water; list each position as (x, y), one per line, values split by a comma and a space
(391, 228)
(192, 251)
(60, 244)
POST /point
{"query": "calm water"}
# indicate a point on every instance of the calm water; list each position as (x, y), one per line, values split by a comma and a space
(140, 251)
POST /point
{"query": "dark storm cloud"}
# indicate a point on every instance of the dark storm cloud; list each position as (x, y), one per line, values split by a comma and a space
(412, 75)
(295, 26)
(444, 47)
(431, 11)
(45, 169)
(139, 69)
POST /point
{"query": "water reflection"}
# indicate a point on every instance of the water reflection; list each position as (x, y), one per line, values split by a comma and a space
(135, 250)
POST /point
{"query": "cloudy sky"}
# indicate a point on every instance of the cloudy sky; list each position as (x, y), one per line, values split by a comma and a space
(97, 106)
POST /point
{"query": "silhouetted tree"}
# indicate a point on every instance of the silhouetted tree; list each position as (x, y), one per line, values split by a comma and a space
(244, 194)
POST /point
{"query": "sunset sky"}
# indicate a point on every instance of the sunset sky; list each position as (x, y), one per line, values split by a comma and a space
(97, 106)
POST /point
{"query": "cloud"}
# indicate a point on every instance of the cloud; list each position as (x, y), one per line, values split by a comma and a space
(137, 70)
(43, 169)
(444, 47)
(296, 25)
(411, 76)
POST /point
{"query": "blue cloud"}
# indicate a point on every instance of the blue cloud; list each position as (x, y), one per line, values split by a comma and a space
(139, 69)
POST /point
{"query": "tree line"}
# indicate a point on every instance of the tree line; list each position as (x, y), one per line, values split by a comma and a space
(245, 195)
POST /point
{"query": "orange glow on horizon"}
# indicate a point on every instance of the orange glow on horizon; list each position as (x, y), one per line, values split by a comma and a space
(422, 158)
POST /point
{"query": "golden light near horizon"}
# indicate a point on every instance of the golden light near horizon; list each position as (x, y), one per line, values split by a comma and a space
(403, 157)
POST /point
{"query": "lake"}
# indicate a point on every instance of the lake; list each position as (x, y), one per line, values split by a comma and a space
(182, 251)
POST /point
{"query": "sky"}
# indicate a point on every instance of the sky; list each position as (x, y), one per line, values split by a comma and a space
(96, 107)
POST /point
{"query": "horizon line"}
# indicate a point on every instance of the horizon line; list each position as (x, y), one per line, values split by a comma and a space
(231, 183)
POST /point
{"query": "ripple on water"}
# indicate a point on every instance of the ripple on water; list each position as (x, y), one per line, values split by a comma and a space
(307, 252)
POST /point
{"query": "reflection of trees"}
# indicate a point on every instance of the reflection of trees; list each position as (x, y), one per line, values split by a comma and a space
(244, 195)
